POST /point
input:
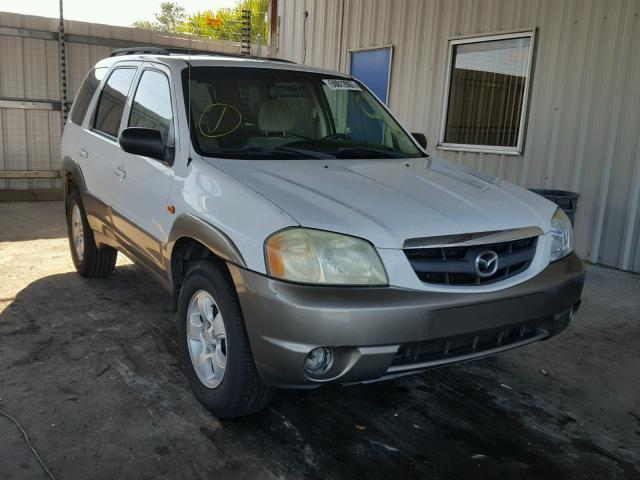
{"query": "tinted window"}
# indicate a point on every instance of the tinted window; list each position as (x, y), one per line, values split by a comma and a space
(152, 104)
(112, 100)
(85, 94)
(265, 114)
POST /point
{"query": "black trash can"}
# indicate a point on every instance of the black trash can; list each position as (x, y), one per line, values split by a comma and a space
(568, 201)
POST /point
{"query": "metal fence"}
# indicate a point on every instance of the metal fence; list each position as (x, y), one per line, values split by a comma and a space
(583, 119)
(31, 69)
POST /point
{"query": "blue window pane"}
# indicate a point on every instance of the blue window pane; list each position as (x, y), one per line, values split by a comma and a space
(372, 68)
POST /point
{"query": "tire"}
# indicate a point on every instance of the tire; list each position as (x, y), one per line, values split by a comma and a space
(238, 390)
(89, 259)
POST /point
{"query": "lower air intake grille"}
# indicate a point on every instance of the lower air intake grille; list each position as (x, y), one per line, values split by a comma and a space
(448, 350)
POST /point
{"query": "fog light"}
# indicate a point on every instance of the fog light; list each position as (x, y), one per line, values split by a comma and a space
(318, 361)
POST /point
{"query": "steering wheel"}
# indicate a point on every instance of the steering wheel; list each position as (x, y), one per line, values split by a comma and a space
(366, 109)
(335, 136)
(297, 136)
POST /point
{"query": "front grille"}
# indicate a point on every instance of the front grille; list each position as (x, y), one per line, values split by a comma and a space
(450, 349)
(455, 265)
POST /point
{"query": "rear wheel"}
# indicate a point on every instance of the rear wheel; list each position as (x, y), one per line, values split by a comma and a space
(89, 259)
(214, 349)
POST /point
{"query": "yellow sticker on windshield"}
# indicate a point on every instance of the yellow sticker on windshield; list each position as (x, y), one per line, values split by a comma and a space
(341, 84)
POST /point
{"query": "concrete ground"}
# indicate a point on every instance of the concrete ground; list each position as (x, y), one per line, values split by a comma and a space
(88, 367)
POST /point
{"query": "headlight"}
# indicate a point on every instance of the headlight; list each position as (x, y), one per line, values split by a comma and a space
(314, 256)
(561, 235)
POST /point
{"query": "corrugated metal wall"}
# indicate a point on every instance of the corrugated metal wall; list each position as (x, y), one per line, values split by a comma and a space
(29, 69)
(583, 129)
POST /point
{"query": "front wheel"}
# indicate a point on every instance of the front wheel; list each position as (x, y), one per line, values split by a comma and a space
(214, 350)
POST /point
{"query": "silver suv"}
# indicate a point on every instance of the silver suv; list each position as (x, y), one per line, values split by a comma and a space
(305, 236)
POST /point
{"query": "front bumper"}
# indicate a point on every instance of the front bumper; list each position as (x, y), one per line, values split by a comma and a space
(375, 330)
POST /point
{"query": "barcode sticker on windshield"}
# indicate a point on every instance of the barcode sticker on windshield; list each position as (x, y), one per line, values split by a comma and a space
(341, 84)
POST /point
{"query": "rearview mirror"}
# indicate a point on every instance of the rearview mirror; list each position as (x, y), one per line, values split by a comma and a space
(143, 141)
(420, 138)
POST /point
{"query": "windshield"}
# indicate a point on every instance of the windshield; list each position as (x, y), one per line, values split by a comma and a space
(255, 113)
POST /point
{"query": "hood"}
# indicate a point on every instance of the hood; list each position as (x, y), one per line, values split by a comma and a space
(388, 201)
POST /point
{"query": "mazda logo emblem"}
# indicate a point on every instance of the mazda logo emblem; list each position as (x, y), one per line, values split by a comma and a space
(486, 263)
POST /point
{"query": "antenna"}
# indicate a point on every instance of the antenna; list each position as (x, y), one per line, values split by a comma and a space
(189, 158)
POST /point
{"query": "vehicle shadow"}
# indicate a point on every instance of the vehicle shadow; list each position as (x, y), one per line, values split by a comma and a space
(89, 368)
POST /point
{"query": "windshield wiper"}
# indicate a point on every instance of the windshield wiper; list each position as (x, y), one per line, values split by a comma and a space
(272, 153)
(246, 153)
(292, 153)
(303, 151)
(368, 151)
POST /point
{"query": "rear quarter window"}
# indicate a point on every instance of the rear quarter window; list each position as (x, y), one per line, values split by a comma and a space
(85, 94)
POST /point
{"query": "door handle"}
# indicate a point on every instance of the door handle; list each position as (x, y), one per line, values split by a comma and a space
(119, 171)
(83, 153)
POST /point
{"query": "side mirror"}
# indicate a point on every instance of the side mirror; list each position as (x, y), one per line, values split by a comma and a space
(143, 141)
(420, 138)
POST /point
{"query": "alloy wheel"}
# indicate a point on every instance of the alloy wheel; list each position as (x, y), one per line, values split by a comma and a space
(207, 339)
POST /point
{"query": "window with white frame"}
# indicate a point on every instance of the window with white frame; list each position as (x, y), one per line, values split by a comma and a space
(487, 91)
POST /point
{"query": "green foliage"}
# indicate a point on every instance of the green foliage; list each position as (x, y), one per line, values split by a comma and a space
(222, 24)
(169, 19)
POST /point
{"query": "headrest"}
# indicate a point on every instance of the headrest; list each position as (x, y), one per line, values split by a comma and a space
(275, 116)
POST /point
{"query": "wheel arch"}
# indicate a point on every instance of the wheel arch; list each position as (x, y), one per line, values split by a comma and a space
(192, 239)
(71, 174)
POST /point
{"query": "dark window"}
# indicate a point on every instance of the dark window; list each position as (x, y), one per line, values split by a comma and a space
(487, 92)
(85, 94)
(152, 104)
(112, 100)
(262, 113)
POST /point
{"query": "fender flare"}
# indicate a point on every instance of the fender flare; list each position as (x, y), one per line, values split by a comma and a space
(189, 226)
(70, 167)
(193, 228)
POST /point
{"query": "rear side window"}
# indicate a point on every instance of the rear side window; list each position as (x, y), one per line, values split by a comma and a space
(152, 104)
(112, 100)
(85, 94)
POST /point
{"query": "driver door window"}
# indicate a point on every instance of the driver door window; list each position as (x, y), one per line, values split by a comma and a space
(151, 106)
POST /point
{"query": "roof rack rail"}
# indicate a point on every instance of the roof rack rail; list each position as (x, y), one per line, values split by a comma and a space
(140, 51)
(185, 51)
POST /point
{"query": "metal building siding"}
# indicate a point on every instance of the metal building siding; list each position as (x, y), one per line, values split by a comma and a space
(583, 121)
(29, 68)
